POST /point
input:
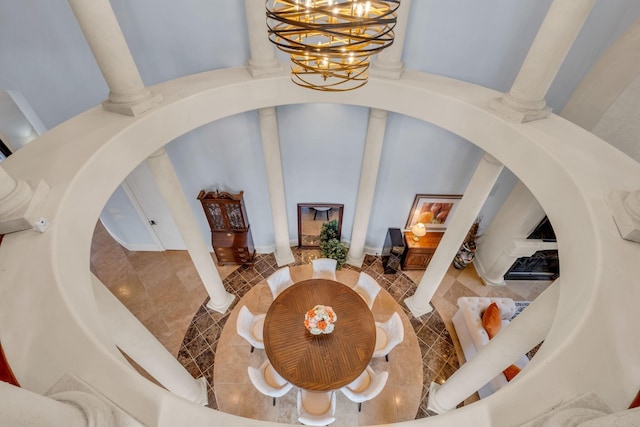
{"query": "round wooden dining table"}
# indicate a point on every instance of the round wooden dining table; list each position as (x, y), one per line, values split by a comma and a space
(319, 362)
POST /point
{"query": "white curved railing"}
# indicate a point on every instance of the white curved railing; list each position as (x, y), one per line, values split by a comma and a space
(49, 322)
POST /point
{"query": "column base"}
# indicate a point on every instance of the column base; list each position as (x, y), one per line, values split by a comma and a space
(386, 70)
(265, 68)
(415, 310)
(284, 257)
(133, 108)
(203, 396)
(355, 261)
(516, 114)
(27, 216)
(223, 306)
(477, 263)
(432, 404)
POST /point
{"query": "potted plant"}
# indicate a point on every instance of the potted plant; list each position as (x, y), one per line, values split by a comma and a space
(467, 250)
(330, 244)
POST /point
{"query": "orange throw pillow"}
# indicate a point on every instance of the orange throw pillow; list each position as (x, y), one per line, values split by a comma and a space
(491, 320)
(511, 372)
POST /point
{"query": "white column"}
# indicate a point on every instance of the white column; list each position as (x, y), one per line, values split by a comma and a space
(171, 190)
(524, 332)
(263, 60)
(275, 181)
(128, 94)
(21, 407)
(525, 101)
(503, 239)
(388, 63)
(625, 208)
(367, 186)
(138, 343)
(467, 211)
(19, 203)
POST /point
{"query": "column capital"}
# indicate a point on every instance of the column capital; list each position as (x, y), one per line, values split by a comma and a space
(625, 208)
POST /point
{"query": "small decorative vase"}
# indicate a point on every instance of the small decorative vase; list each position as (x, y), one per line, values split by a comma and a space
(320, 320)
(464, 256)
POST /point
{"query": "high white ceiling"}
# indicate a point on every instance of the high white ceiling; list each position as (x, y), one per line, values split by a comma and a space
(46, 58)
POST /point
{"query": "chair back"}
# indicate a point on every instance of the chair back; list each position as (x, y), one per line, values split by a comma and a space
(388, 335)
(279, 281)
(324, 268)
(367, 288)
(249, 326)
(316, 408)
(267, 381)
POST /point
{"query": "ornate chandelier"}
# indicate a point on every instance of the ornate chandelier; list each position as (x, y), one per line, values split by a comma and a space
(331, 41)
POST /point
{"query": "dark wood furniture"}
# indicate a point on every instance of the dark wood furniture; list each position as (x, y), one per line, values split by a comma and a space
(392, 251)
(230, 232)
(417, 254)
(319, 362)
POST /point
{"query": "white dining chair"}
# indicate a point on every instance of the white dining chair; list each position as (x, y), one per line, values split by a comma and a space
(367, 386)
(388, 335)
(324, 268)
(367, 288)
(316, 408)
(279, 281)
(268, 382)
(249, 326)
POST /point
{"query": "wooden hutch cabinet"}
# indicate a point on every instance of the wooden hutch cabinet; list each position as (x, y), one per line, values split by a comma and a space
(417, 254)
(230, 232)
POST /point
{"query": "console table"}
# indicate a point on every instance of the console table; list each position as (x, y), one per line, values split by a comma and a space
(417, 254)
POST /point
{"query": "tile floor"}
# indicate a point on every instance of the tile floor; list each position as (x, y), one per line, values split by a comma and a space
(163, 290)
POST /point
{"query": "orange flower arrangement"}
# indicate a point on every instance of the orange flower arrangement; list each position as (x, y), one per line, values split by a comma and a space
(320, 320)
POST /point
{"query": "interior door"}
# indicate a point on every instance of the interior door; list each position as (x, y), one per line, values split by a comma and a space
(153, 209)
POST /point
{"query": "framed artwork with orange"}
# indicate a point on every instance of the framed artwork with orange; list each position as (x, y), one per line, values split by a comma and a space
(433, 210)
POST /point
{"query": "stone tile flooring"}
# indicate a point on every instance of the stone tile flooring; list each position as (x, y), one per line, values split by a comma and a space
(439, 358)
(163, 290)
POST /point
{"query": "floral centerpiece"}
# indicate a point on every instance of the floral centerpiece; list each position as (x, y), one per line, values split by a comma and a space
(320, 320)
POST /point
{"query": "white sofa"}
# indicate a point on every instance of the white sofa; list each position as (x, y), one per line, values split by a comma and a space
(472, 336)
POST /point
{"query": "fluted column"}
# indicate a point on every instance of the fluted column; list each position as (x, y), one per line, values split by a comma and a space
(526, 99)
(625, 208)
(140, 345)
(100, 27)
(19, 203)
(171, 190)
(526, 331)
(275, 181)
(466, 213)
(263, 60)
(367, 186)
(388, 63)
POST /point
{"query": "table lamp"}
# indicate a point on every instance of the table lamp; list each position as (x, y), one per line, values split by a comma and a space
(418, 231)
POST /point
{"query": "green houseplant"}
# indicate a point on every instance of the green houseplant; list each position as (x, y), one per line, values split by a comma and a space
(330, 244)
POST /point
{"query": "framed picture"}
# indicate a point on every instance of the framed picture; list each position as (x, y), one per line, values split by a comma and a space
(433, 210)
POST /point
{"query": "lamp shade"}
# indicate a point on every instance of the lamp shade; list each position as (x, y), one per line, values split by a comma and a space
(419, 229)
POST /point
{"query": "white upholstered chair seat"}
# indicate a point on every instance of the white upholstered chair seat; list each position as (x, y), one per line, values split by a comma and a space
(316, 408)
(367, 386)
(268, 382)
